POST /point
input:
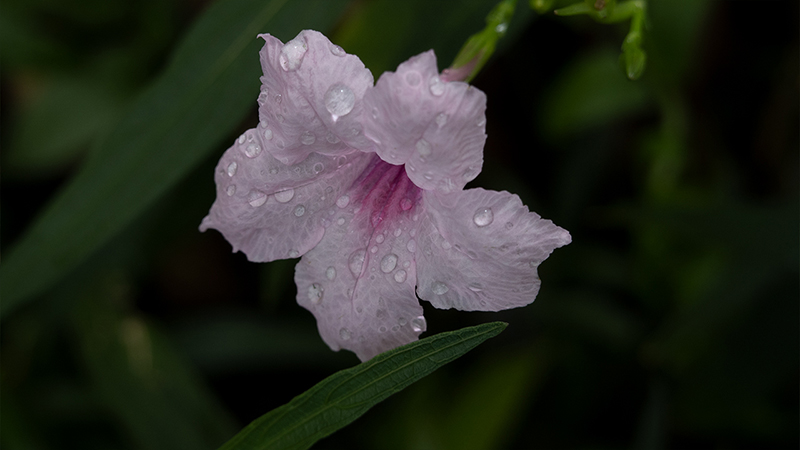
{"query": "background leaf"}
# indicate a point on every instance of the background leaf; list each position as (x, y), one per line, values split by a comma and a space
(346, 395)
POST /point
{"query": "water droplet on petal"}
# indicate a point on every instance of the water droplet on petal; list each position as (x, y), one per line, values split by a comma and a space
(262, 123)
(292, 53)
(330, 273)
(268, 134)
(412, 246)
(509, 225)
(418, 324)
(262, 98)
(232, 169)
(307, 138)
(483, 217)
(344, 333)
(336, 50)
(231, 190)
(339, 100)
(423, 148)
(398, 232)
(436, 85)
(413, 78)
(441, 120)
(256, 198)
(379, 239)
(388, 263)
(318, 167)
(273, 171)
(278, 98)
(342, 201)
(400, 276)
(482, 122)
(356, 262)
(242, 139)
(405, 204)
(375, 113)
(382, 329)
(374, 249)
(332, 139)
(439, 288)
(315, 292)
(284, 196)
(475, 287)
(280, 118)
(293, 253)
(252, 150)
(446, 245)
(340, 220)
(299, 210)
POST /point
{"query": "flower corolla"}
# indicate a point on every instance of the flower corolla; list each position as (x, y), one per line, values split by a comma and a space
(366, 183)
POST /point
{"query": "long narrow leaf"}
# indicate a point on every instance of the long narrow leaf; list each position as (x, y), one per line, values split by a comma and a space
(346, 395)
(205, 92)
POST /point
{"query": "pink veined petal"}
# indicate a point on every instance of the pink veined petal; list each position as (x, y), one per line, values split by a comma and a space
(436, 128)
(311, 97)
(481, 249)
(359, 280)
(270, 210)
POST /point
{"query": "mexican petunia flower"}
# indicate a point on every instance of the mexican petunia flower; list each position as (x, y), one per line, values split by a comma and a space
(366, 183)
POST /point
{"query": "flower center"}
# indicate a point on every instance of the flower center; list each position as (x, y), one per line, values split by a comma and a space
(387, 192)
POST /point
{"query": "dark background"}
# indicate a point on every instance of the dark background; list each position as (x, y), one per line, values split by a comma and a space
(671, 321)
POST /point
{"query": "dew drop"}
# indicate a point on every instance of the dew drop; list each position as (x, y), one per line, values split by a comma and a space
(418, 324)
(439, 288)
(252, 150)
(375, 113)
(307, 138)
(413, 78)
(475, 287)
(318, 167)
(509, 225)
(342, 201)
(292, 53)
(262, 98)
(332, 139)
(344, 333)
(330, 273)
(339, 100)
(231, 190)
(284, 196)
(379, 239)
(412, 246)
(293, 253)
(398, 232)
(436, 85)
(446, 245)
(405, 204)
(256, 198)
(482, 122)
(388, 263)
(382, 329)
(232, 169)
(374, 249)
(423, 148)
(483, 217)
(273, 171)
(315, 292)
(441, 120)
(268, 134)
(356, 262)
(400, 276)
(278, 99)
(242, 139)
(336, 50)
(280, 118)
(340, 161)
(299, 210)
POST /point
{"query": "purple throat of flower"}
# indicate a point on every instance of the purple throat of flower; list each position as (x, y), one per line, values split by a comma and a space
(365, 182)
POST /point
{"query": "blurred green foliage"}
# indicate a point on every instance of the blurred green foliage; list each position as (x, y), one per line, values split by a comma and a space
(671, 321)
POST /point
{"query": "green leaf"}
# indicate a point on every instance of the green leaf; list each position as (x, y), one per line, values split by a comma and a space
(346, 395)
(208, 88)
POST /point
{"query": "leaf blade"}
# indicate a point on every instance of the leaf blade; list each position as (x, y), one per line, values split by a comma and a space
(347, 394)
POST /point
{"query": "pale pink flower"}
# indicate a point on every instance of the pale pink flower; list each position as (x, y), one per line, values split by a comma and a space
(366, 184)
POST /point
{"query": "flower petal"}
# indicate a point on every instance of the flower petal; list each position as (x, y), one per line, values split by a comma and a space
(311, 97)
(436, 128)
(481, 250)
(359, 280)
(270, 210)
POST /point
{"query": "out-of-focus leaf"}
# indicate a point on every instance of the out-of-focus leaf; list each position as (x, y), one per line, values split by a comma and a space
(139, 379)
(346, 395)
(230, 343)
(56, 127)
(485, 410)
(205, 92)
(384, 33)
(589, 94)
